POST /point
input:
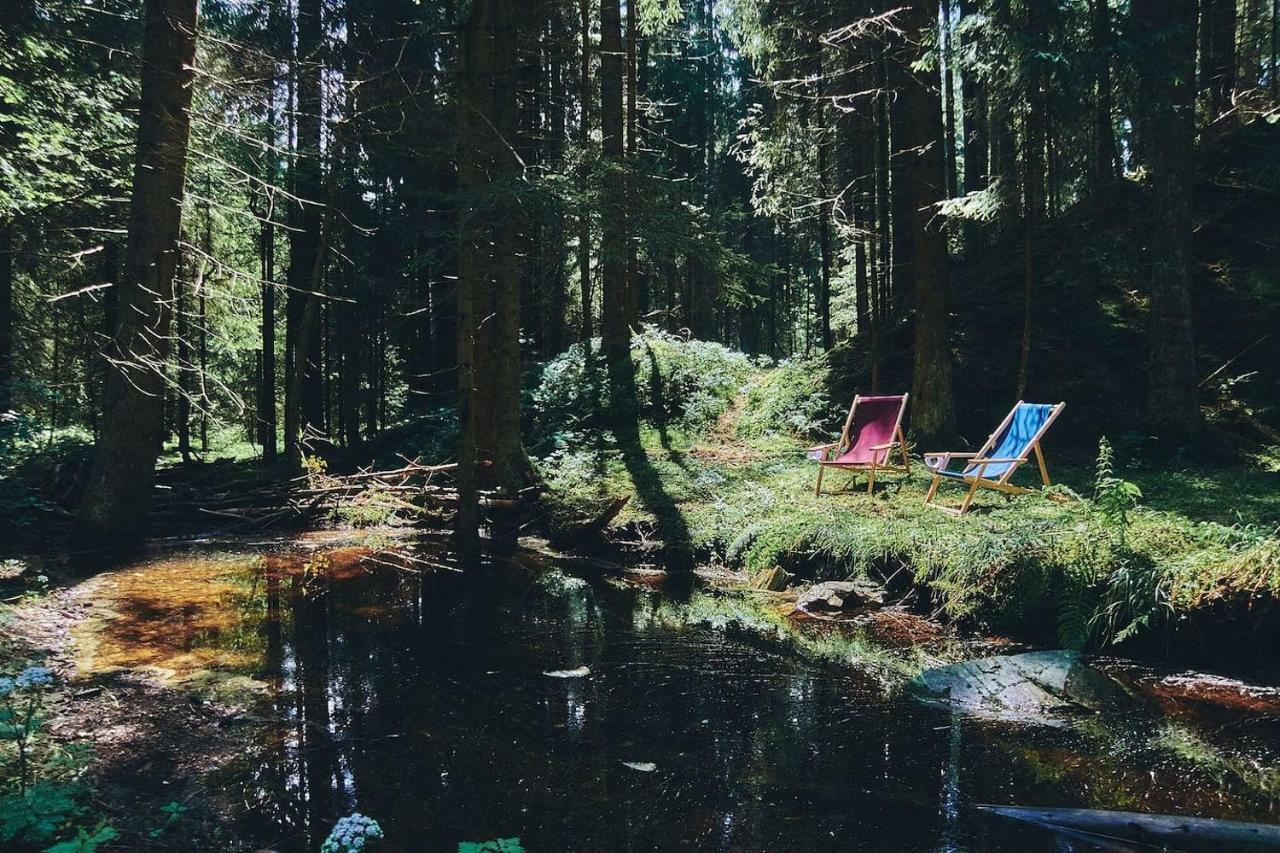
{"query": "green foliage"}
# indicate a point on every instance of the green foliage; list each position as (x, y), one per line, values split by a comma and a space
(679, 382)
(497, 845)
(789, 400)
(86, 841)
(1113, 497)
(39, 814)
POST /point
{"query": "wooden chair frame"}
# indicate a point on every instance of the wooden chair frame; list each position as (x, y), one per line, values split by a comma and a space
(875, 465)
(1001, 483)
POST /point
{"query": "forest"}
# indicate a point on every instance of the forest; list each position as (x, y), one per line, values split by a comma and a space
(359, 355)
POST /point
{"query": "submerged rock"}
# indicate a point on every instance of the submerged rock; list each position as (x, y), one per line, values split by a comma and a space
(833, 596)
(1042, 687)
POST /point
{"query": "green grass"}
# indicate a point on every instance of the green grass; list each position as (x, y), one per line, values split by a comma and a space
(745, 497)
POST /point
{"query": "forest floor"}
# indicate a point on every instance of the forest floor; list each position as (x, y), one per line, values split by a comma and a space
(1199, 553)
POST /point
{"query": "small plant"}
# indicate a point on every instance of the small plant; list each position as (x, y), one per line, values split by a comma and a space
(21, 699)
(1113, 497)
(352, 833)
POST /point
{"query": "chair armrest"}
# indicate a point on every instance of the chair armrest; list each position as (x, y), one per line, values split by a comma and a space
(822, 446)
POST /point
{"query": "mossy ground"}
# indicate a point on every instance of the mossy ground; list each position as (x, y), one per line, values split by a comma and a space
(1042, 565)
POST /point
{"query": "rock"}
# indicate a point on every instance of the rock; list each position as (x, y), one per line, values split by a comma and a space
(775, 579)
(642, 766)
(841, 595)
(1040, 687)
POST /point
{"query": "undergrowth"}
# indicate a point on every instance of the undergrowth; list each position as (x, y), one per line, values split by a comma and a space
(1115, 554)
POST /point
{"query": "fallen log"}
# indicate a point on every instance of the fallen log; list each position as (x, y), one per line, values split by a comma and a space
(1162, 832)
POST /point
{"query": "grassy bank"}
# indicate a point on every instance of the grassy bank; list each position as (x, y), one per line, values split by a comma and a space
(1194, 550)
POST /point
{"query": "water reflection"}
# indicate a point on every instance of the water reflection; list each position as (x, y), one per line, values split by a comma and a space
(422, 701)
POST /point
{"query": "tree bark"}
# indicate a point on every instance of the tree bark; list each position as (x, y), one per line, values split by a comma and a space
(6, 316)
(488, 269)
(1105, 164)
(584, 138)
(119, 486)
(933, 411)
(1168, 28)
(1218, 54)
(305, 264)
(615, 332)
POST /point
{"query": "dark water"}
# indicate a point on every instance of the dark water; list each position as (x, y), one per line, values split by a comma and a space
(421, 700)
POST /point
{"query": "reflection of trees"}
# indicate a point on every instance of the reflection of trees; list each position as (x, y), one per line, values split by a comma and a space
(316, 751)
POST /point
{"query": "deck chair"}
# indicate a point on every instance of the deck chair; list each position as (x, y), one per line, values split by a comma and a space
(1005, 451)
(871, 431)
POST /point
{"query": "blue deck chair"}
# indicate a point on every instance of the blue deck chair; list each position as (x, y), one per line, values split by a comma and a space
(1005, 451)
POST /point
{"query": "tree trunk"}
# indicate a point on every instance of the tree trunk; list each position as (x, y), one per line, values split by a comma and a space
(947, 36)
(184, 361)
(584, 139)
(933, 412)
(305, 263)
(1218, 54)
(488, 269)
(632, 304)
(902, 199)
(615, 333)
(119, 487)
(1104, 164)
(824, 238)
(1168, 28)
(6, 316)
(974, 96)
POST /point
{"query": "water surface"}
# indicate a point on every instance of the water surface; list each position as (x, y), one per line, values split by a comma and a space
(422, 700)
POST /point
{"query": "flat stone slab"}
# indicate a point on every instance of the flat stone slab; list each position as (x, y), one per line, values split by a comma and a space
(834, 596)
(1038, 687)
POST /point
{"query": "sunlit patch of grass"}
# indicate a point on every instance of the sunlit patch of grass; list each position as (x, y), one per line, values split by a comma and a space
(748, 502)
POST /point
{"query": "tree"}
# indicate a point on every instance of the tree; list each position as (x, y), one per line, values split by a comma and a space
(119, 487)
(304, 405)
(1167, 71)
(614, 326)
(933, 409)
(489, 250)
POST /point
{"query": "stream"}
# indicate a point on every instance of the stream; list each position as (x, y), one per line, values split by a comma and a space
(584, 716)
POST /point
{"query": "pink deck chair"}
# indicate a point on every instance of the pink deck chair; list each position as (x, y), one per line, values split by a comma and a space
(871, 431)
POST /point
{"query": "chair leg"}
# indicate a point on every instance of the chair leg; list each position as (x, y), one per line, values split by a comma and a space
(933, 489)
(968, 498)
(906, 460)
(1044, 470)
(871, 479)
(818, 490)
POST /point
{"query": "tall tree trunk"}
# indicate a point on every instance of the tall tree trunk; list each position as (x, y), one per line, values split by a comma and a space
(584, 139)
(119, 487)
(632, 304)
(305, 263)
(267, 425)
(1218, 54)
(1104, 162)
(947, 36)
(1168, 28)
(933, 409)
(184, 366)
(902, 198)
(1033, 179)
(824, 238)
(1004, 157)
(974, 106)
(488, 268)
(6, 316)
(615, 333)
